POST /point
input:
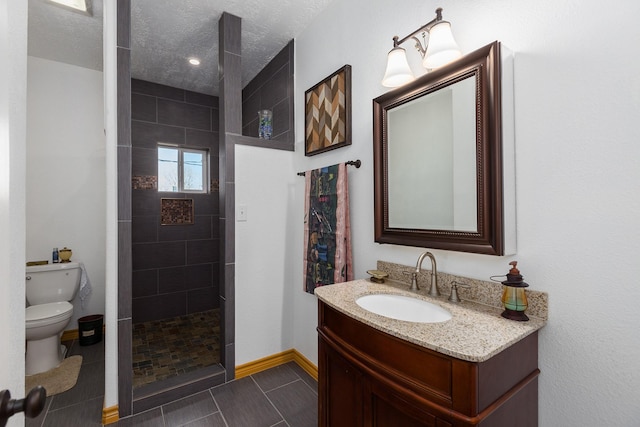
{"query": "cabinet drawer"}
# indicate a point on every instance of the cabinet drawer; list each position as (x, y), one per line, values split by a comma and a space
(415, 368)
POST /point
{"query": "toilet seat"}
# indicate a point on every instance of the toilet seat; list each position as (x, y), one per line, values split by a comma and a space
(45, 314)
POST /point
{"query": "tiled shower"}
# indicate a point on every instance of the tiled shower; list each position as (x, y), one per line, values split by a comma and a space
(169, 270)
(176, 268)
(175, 274)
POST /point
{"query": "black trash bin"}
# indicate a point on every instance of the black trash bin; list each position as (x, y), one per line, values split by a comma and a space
(90, 329)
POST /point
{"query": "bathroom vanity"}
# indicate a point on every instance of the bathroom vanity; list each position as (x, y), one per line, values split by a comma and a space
(476, 369)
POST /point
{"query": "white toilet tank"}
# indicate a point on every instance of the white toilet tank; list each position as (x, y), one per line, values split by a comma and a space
(52, 282)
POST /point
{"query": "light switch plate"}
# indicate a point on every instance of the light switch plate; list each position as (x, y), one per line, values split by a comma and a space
(241, 213)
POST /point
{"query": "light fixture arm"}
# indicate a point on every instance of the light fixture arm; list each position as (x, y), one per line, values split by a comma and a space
(426, 27)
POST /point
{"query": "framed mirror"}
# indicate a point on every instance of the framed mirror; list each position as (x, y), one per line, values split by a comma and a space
(438, 168)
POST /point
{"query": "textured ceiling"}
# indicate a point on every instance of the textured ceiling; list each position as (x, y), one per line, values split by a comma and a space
(165, 33)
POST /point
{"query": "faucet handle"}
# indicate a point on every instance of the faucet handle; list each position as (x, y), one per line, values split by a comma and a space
(454, 291)
(414, 280)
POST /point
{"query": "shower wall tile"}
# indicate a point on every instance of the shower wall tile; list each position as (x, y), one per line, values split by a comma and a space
(280, 119)
(199, 276)
(158, 90)
(203, 139)
(284, 57)
(160, 252)
(171, 280)
(200, 300)
(204, 204)
(146, 202)
(144, 161)
(143, 107)
(125, 373)
(159, 307)
(230, 224)
(250, 107)
(215, 226)
(124, 269)
(148, 135)
(200, 251)
(201, 99)
(215, 120)
(145, 283)
(158, 255)
(145, 229)
(124, 23)
(277, 88)
(184, 115)
(124, 182)
(272, 89)
(168, 233)
(229, 33)
(124, 95)
(228, 357)
(201, 229)
(232, 106)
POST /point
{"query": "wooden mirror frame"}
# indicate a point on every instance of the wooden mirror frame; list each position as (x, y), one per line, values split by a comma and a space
(484, 64)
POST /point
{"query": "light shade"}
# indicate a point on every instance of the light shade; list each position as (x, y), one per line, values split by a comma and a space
(398, 71)
(442, 47)
(82, 6)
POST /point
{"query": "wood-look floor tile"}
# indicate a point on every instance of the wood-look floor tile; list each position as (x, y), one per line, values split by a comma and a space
(189, 409)
(151, 418)
(90, 384)
(242, 403)
(214, 420)
(86, 414)
(275, 377)
(297, 403)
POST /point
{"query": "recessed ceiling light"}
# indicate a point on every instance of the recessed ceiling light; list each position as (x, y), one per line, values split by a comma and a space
(83, 6)
(194, 61)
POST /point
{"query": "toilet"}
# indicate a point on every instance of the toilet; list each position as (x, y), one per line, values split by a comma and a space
(50, 289)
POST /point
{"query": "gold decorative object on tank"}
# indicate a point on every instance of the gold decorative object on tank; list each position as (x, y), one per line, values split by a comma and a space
(65, 254)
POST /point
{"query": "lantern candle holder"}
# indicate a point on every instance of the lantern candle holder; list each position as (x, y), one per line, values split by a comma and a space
(514, 298)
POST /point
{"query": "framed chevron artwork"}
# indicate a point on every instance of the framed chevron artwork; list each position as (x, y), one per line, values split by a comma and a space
(328, 113)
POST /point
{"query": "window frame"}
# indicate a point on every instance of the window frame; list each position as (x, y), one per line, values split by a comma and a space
(181, 151)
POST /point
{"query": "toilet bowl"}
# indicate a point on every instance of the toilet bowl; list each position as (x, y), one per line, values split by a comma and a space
(49, 290)
(45, 323)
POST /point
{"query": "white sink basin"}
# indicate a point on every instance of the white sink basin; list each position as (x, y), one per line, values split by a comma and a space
(403, 308)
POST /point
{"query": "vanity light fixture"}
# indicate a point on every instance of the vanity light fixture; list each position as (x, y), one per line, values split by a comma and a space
(194, 61)
(82, 6)
(439, 49)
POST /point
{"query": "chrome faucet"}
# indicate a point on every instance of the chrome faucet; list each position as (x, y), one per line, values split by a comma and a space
(433, 290)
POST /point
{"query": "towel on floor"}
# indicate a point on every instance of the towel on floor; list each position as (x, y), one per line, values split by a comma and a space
(327, 236)
(85, 285)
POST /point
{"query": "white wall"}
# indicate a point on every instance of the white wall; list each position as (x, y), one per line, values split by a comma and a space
(577, 100)
(66, 171)
(263, 184)
(13, 89)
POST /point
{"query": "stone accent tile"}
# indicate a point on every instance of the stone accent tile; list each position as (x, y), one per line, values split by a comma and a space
(144, 182)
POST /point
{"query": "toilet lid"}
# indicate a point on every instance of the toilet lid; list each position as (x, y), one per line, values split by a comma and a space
(47, 311)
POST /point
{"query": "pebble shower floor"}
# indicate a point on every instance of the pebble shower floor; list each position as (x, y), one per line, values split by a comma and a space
(166, 348)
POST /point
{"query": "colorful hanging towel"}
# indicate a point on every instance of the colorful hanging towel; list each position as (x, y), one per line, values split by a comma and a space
(327, 232)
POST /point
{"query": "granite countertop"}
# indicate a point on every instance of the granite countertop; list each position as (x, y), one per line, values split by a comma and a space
(475, 333)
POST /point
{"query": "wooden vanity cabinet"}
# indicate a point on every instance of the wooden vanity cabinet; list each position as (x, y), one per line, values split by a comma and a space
(369, 378)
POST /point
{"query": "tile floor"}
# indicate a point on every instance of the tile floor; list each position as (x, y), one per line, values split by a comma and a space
(282, 396)
(166, 348)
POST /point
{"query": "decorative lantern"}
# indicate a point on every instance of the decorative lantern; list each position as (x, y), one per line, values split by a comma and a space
(513, 297)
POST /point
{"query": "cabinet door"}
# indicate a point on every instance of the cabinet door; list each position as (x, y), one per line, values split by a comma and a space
(387, 408)
(340, 388)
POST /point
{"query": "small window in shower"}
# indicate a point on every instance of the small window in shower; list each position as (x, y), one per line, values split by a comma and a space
(183, 170)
